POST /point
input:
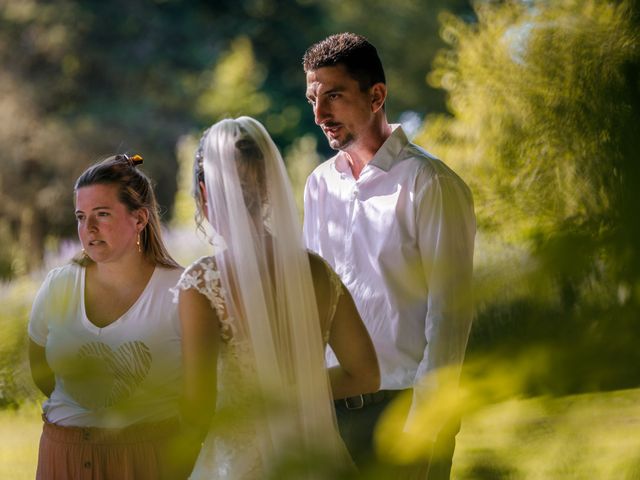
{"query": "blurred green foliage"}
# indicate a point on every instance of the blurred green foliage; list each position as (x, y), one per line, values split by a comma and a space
(19, 439)
(587, 436)
(543, 122)
(545, 111)
(184, 207)
(81, 80)
(15, 381)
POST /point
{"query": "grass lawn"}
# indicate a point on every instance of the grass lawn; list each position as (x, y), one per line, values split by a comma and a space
(590, 437)
(19, 437)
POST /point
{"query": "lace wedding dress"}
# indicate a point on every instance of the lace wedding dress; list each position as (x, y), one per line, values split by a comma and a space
(232, 447)
(274, 403)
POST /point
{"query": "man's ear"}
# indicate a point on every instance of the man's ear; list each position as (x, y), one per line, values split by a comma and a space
(378, 96)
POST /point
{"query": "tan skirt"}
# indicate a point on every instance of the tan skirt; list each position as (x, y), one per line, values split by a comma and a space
(132, 453)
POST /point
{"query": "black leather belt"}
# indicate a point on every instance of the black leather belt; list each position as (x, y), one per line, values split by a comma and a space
(366, 399)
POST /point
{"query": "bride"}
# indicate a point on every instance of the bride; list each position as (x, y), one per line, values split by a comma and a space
(256, 317)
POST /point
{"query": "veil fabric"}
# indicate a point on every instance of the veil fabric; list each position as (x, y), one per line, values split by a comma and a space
(264, 269)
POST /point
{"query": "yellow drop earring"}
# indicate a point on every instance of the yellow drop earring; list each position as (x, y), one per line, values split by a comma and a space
(138, 243)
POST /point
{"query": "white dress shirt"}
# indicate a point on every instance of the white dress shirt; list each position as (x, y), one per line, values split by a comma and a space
(401, 238)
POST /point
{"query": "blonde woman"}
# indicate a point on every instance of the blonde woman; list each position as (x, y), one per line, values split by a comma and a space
(105, 337)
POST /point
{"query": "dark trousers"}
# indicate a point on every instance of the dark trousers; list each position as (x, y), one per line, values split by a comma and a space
(356, 429)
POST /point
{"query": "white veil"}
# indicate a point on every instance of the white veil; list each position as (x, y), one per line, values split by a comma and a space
(266, 274)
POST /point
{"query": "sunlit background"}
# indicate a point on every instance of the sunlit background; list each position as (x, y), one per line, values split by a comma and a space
(536, 104)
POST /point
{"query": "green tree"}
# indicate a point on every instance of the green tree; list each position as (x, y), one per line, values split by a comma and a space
(544, 101)
(406, 34)
(184, 208)
(301, 158)
(234, 85)
(86, 79)
(109, 77)
(32, 191)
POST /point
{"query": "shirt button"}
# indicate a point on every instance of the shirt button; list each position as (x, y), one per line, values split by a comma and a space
(87, 464)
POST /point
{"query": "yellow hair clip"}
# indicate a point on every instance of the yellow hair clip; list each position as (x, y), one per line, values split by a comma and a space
(136, 160)
(133, 161)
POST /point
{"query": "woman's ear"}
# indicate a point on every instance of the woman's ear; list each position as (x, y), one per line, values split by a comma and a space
(203, 191)
(378, 96)
(142, 218)
(203, 196)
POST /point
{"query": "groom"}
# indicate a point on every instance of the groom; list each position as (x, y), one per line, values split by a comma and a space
(398, 226)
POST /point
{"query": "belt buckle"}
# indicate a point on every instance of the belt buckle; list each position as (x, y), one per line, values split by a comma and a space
(358, 402)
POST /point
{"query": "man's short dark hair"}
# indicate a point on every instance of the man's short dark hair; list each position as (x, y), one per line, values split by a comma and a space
(355, 52)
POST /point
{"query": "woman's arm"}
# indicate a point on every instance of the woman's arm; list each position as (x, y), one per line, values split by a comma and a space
(41, 373)
(200, 337)
(358, 371)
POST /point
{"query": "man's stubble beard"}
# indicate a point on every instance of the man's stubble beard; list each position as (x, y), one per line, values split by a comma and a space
(337, 144)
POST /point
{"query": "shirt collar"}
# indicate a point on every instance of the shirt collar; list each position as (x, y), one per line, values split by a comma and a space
(389, 152)
(386, 156)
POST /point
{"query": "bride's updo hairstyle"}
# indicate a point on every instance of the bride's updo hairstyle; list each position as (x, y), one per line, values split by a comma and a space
(251, 173)
(250, 165)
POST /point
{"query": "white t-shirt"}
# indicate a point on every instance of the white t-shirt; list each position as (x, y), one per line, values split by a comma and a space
(125, 373)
